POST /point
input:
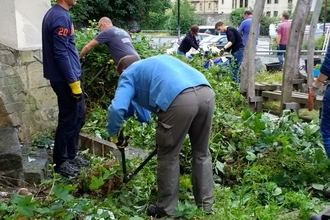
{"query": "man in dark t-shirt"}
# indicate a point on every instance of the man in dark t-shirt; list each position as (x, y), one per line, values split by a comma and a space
(119, 44)
(234, 45)
(117, 40)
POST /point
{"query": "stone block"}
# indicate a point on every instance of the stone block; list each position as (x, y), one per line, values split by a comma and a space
(6, 70)
(15, 107)
(35, 164)
(40, 94)
(22, 73)
(35, 76)
(10, 150)
(7, 57)
(12, 177)
(26, 56)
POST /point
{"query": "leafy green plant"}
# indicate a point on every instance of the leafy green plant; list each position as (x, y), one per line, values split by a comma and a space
(317, 66)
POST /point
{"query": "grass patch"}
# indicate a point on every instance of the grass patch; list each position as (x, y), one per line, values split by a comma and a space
(272, 105)
(314, 114)
(267, 77)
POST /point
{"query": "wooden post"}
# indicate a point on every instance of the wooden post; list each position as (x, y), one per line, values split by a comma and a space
(247, 68)
(311, 42)
(293, 49)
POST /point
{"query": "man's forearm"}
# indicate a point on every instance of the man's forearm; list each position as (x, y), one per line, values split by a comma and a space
(228, 44)
(278, 39)
(84, 51)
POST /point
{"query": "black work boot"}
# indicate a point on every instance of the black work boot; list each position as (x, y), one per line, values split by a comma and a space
(79, 162)
(152, 211)
(67, 170)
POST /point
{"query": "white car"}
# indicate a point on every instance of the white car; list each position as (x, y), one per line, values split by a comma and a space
(201, 38)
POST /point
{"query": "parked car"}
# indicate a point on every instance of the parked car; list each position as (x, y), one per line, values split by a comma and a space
(176, 44)
(213, 44)
(208, 29)
(199, 38)
(219, 42)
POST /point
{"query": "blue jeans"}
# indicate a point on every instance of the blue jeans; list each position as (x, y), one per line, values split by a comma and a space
(181, 53)
(238, 56)
(280, 54)
(325, 121)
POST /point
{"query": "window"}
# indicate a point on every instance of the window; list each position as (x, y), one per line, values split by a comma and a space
(276, 1)
(209, 6)
(246, 3)
(195, 6)
(289, 1)
(269, 1)
(268, 13)
(223, 2)
(216, 6)
(275, 13)
(200, 6)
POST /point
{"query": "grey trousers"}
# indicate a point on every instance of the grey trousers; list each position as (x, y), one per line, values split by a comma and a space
(190, 113)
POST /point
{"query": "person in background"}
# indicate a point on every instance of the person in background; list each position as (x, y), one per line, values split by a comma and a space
(245, 27)
(325, 110)
(234, 45)
(189, 41)
(283, 31)
(183, 100)
(61, 67)
(119, 44)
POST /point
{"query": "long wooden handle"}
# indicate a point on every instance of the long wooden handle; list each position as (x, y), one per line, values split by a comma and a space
(310, 99)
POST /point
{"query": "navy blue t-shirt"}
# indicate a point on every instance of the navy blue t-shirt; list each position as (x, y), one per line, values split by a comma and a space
(59, 52)
(118, 42)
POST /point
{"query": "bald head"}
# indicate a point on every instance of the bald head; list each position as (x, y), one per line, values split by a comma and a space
(105, 23)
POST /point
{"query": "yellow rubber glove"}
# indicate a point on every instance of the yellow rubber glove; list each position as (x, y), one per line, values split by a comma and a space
(120, 140)
(76, 89)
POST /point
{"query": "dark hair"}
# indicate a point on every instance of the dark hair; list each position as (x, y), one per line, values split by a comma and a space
(248, 12)
(219, 23)
(194, 29)
(125, 62)
(286, 15)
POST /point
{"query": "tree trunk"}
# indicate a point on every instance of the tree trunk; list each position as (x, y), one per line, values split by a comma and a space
(311, 42)
(248, 64)
(291, 64)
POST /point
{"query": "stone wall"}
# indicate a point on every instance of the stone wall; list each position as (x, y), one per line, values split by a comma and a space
(27, 101)
(211, 19)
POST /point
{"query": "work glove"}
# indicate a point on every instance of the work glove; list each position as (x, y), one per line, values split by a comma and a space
(221, 52)
(120, 140)
(82, 60)
(316, 90)
(76, 89)
(109, 64)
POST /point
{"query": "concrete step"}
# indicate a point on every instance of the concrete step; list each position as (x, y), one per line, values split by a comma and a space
(35, 164)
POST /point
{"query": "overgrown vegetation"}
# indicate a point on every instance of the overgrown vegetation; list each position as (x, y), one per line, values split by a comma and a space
(264, 167)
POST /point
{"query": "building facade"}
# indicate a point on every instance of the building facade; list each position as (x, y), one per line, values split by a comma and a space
(272, 7)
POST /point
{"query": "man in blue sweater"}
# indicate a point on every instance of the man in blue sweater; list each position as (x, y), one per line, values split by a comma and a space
(62, 68)
(183, 100)
(245, 26)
